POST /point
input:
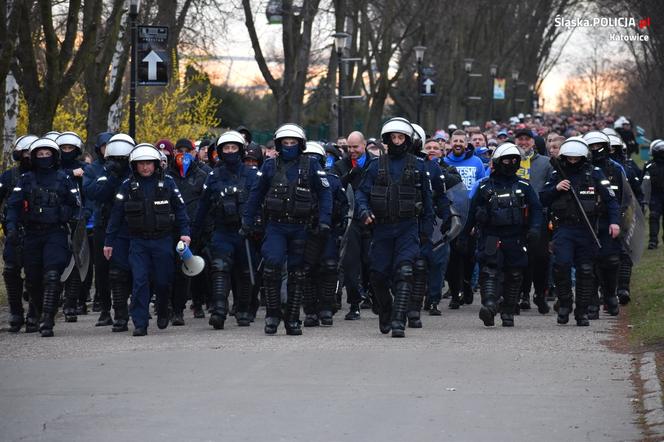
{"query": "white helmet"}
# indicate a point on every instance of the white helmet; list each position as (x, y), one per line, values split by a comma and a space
(52, 135)
(574, 147)
(314, 147)
(653, 142)
(398, 125)
(419, 132)
(615, 140)
(24, 142)
(521, 116)
(514, 120)
(120, 145)
(465, 123)
(658, 146)
(504, 150)
(231, 136)
(595, 137)
(452, 126)
(41, 143)
(289, 130)
(70, 138)
(618, 124)
(144, 152)
(609, 131)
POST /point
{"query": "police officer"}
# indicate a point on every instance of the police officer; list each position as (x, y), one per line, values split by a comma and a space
(12, 253)
(102, 192)
(189, 179)
(653, 177)
(618, 153)
(321, 254)
(607, 264)
(102, 298)
(573, 242)
(225, 193)
(75, 297)
(395, 197)
(44, 201)
(149, 206)
(290, 188)
(427, 263)
(506, 213)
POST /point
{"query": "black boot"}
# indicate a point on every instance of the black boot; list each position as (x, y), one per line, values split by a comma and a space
(221, 286)
(511, 291)
(403, 289)
(419, 292)
(540, 302)
(585, 283)
(563, 280)
(14, 286)
(272, 285)
(609, 272)
(309, 302)
(292, 323)
(383, 301)
(72, 289)
(488, 281)
(329, 279)
(120, 285)
(244, 292)
(51, 301)
(624, 279)
(31, 319)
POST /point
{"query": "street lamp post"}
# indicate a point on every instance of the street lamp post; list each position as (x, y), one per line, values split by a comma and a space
(340, 43)
(133, 16)
(515, 79)
(493, 71)
(419, 56)
(467, 67)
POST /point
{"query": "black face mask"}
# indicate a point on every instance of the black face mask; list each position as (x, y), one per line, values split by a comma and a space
(395, 150)
(230, 159)
(507, 169)
(24, 163)
(599, 155)
(573, 167)
(69, 157)
(43, 163)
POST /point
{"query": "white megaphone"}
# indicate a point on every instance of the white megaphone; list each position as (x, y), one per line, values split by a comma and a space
(192, 265)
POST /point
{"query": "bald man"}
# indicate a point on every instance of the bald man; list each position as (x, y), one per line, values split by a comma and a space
(350, 170)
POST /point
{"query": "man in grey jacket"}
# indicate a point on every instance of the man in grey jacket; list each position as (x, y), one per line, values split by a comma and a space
(537, 170)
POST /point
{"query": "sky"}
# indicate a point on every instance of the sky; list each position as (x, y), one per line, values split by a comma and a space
(238, 68)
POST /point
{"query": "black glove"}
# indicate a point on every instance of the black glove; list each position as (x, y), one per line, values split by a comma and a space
(354, 173)
(245, 230)
(13, 237)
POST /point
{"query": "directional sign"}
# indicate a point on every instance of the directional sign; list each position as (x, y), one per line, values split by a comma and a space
(153, 65)
(427, 88)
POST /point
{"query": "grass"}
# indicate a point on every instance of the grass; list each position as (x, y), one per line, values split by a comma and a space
(646, 311)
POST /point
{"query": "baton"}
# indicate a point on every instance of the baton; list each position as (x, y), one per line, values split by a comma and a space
(247, 250)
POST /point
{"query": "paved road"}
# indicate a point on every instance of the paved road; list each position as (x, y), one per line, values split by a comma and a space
(453, 380)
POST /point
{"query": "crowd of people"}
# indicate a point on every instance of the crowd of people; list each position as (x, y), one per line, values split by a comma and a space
(539, 204)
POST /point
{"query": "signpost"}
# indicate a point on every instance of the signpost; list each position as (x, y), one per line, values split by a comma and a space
(153, 55)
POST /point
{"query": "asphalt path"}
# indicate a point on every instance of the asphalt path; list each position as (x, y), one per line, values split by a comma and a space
(453, 380)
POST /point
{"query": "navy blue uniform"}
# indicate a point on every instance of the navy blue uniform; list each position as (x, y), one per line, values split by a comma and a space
(291, 193)
(44, 202)
(224, 196)
(396, 190)
(503, 209)
(573, 244)
(148, 209)
(653, 176)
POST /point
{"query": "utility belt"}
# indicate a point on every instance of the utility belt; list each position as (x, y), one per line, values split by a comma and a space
(288, 219)
(44, 227)
(151, 235)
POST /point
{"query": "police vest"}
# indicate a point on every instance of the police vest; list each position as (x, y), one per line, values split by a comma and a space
(564, 208)
(656, 171)
(504, 205)
(44, 205)
(392, 202)
(149, 218)
(291, 203)
(229, 202)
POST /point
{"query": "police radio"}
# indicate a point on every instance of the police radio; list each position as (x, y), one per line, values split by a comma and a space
(192, 265)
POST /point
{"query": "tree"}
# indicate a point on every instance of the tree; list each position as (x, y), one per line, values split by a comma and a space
(288, 89)
(48, 67)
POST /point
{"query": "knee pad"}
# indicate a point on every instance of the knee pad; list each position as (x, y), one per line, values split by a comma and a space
(610, 261)
(585, 269)
(420, 265)
(329, 266)
(297, 246)
(222, 265)
(271, 273)
(116, 274)
(404, 272)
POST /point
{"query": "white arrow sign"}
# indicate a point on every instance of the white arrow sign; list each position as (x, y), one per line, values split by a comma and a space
(427, 86)
(152, 59)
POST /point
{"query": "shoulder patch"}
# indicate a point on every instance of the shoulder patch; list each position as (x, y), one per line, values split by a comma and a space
(325, 182)
(321, 173)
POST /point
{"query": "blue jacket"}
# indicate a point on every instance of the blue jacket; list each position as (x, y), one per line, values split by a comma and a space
(101, 192)
(118, 224)
(470, 167)
(317, 180)
(396, 166)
